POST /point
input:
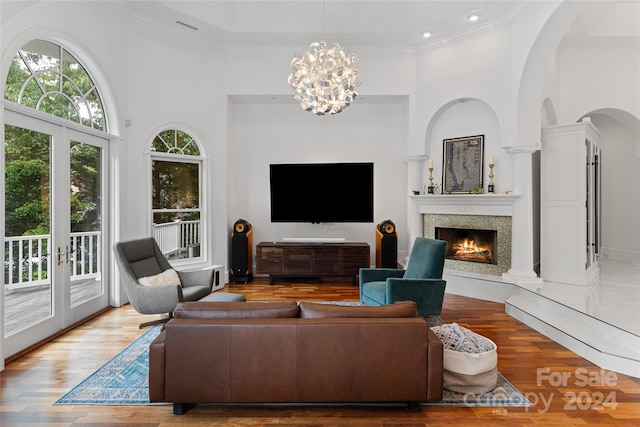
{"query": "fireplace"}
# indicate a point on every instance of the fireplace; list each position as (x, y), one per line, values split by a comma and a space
(468, 244)
(491, 236)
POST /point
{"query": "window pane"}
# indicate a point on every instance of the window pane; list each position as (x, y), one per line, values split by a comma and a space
(60, 106)
(175, 142)
(162, 140)
(31, 94)
(27, 228)
(177, 233)
(17, 75)
(86, 228)
(39, 79)
(187, 145)
(175, 185)
(27, 186)
(86, 161)
(41, 54)
(96, 109)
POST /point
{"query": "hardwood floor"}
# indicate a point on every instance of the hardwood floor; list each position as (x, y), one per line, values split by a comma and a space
(566, 390)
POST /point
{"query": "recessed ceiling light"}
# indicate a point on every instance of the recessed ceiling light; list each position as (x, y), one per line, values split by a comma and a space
(473, 17)
(426, 34)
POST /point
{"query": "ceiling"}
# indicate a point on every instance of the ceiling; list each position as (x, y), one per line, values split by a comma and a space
(374, 24)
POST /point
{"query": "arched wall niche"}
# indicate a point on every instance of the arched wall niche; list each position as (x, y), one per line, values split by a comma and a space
(466, 117)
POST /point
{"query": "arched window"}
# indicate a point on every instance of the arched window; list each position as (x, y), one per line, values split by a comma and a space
(176, 175)
(46, 77)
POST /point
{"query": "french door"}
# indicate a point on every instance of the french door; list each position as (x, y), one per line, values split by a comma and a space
(55, 217)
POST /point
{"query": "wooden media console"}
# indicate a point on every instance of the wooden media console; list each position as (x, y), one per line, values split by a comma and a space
(311, 260)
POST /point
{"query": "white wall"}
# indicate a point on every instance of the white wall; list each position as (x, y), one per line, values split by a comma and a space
(594, 78)
(171, 84)
(620, 214)
(264, 71)
(262, 134)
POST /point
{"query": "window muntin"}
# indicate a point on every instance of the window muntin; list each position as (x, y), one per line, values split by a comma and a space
(46, 77)
(175, 142)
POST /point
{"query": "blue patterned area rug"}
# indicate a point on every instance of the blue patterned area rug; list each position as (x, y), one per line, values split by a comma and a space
(505, 394)
(124, 380)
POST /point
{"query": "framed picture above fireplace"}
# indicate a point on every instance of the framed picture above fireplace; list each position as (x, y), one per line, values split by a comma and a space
(463, 160)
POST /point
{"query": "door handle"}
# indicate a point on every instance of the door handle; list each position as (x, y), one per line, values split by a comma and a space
(59, 254)
(67, 253)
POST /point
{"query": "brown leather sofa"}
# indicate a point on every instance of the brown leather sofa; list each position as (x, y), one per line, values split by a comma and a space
(283, 352)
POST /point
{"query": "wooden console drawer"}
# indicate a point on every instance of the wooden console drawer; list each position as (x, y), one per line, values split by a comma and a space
(269, 260)
(326, 261)
(298, 260)
(353, 259)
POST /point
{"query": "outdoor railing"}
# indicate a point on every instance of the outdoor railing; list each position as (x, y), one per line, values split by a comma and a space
(26, 261)
(28, 258)
(174, 237)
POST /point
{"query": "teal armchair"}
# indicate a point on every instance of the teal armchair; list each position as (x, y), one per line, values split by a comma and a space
(420, 282)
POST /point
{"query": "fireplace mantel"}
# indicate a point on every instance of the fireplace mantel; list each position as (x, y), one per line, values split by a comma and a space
(466, 204)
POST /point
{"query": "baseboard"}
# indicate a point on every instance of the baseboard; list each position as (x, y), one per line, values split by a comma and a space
(620, 255)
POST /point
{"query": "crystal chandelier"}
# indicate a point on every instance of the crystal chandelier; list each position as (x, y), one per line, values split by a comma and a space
(324, 79)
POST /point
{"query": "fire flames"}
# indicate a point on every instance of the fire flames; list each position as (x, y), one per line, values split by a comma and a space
(468, 250)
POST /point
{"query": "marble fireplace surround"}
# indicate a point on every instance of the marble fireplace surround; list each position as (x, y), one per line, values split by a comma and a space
(501, 224)
(475, 211)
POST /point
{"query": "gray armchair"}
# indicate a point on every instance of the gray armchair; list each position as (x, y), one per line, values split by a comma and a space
(143, 258)
(420, 282)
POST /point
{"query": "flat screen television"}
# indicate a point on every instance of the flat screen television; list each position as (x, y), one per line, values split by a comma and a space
(321, 192)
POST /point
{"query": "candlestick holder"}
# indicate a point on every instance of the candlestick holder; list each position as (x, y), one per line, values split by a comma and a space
(491, 186)
(431, 187)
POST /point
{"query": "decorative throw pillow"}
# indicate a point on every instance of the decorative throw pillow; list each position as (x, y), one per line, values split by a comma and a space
(167, 277)
(458, 338)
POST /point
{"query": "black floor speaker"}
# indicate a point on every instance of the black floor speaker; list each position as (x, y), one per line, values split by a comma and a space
(241, 252)
(386, 245)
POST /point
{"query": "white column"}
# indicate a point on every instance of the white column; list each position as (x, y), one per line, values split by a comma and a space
(521, 271)
(415, 181)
